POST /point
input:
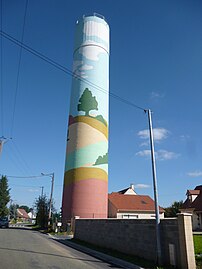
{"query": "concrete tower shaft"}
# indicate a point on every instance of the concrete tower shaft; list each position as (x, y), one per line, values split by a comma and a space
(86, 168)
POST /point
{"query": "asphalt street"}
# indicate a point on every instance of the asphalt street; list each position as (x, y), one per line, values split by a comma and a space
(27, 249)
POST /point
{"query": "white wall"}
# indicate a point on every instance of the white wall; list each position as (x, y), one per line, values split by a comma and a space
(130, 192)
(193, 197)
(197, 221)
(138, 215)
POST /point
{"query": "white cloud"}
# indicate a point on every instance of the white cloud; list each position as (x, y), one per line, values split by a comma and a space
(144, 144)
(76, 64)
(80, 74)
(184, 137)
(33, 190)
(157, 95)
(159, 134)
(166, 155)
(144, 153)
(160, 155)
(85, 67)
(142, 186)
(195, 174)
(92, 28)
(79, 69)
(91, 54)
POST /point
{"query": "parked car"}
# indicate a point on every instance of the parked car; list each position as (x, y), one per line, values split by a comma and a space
(4, 223)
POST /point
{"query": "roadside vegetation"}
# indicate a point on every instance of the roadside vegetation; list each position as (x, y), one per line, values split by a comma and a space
(43, 223)
(42, 209)
(173, 210)
(129, 258)
(198, 250)
(4, 196)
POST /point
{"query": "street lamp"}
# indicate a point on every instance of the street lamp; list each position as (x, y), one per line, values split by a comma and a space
(51, 194)
(159, 259)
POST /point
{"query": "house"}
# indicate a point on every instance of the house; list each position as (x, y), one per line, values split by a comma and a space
(127, 204)
(22, 215)
(32, 216)
(193, 205)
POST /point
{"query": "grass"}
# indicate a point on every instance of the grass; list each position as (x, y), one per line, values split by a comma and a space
(198, 244)
(61, 233)
(198, 250)
(129, 258)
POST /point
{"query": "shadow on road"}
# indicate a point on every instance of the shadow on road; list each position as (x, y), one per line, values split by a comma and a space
(20, 228)
(56, 255)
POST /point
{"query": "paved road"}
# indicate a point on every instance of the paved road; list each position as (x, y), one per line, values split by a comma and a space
(27, 249)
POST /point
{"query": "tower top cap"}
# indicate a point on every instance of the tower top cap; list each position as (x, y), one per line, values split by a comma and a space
(95, 15)
(92, 30)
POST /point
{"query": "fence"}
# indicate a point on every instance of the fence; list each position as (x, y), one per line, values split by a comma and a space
(138, 237)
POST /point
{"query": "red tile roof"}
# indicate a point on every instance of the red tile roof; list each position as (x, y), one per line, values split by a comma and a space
(123, 191)
(197, 203)
(124, 202)
(193, 192)
(22, 213)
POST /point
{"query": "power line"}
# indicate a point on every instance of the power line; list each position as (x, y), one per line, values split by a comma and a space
(18, 68)
(14, 160)
(1, 67)
(23, 186)
(21, 157)
(24, 176)
(19, 160)
(67, 71)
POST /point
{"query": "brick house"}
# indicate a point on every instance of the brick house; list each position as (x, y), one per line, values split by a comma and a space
(22, 215)
(127, 204)
(193, 205)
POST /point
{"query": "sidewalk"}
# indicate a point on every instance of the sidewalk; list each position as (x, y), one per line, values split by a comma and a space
(66, 240)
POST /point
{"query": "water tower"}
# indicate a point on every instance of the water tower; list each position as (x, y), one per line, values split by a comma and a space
(85, 191)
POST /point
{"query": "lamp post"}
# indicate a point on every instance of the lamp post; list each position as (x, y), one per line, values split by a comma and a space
(42, 190)
(3, 141)
(51, 194)
(155, 187)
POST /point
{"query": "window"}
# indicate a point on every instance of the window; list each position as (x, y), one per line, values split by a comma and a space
(130, 216)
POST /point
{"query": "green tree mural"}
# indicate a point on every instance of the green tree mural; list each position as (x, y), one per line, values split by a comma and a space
(102, 159)
(87, 102)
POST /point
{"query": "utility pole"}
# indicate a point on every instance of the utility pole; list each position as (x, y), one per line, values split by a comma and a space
(51, 195)
(158, 242)
(42, 191)
(3, 141)
(52, 175)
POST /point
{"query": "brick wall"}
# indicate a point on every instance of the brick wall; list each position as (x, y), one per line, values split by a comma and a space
(138, 238)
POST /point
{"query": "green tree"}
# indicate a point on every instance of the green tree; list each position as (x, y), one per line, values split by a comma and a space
(26, 208)
(42, 209)
(4, 196)
(100, 118)
(102, 159)
(13, 211)
(87, 102)
(174, 209)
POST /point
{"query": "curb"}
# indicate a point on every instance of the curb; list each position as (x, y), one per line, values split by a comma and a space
(97, 254)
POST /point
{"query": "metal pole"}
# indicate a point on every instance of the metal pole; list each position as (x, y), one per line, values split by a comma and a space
(155, 189)
(51, 195)
(42, 191)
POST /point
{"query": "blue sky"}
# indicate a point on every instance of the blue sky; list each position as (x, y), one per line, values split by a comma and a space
(155, 62)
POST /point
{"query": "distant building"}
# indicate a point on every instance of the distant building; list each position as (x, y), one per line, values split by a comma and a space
(32, 216)
(193, 205)
(127, 204)
(22, 214)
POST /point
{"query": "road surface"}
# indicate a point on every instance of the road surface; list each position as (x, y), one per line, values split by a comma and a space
(27, 249)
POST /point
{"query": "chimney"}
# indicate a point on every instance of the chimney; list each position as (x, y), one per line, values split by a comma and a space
(132, 186)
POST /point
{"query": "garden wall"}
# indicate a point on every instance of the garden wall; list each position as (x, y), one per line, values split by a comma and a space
(138, 237)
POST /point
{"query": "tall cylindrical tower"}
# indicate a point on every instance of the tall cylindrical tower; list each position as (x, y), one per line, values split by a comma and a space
(85, 192)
